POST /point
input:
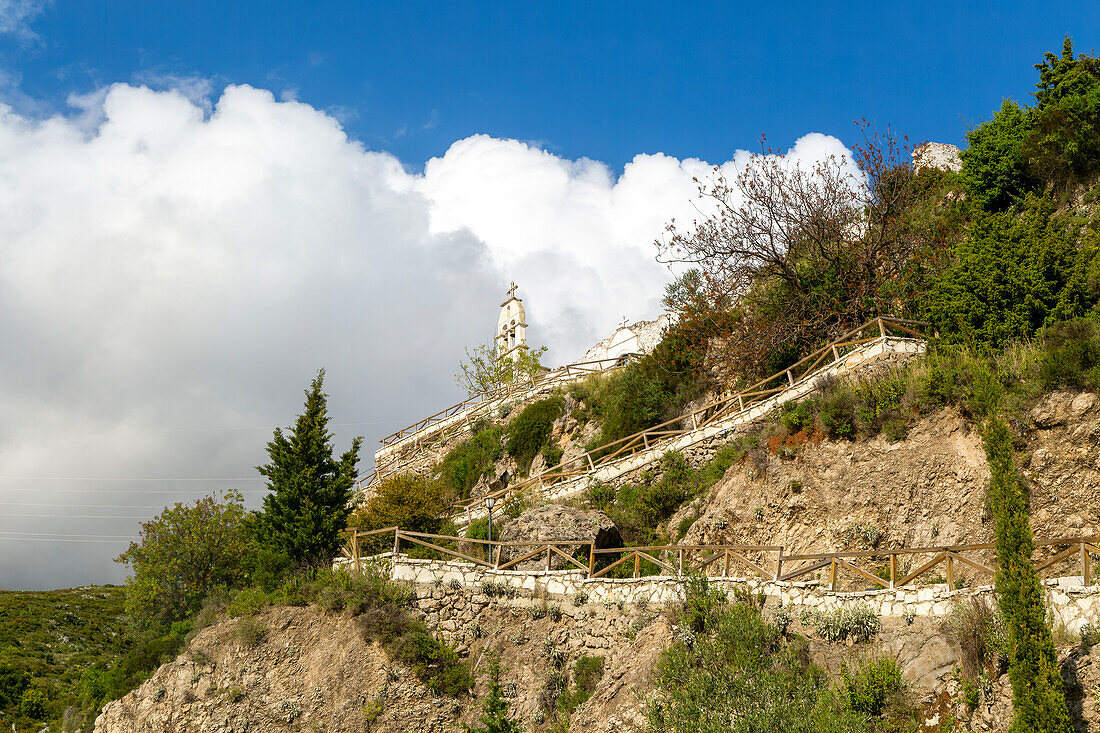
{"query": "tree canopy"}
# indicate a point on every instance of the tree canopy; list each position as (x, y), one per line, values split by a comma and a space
(311, 491)
(184, 552)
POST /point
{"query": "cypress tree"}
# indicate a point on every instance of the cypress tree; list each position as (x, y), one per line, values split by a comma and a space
(1038, 695)
(310, 491)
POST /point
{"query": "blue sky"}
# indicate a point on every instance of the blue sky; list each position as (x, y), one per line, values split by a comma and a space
(600, 80)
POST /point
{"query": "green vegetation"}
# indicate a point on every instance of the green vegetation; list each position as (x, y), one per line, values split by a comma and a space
(486, 369)
(978, 632)
(587, 673)
(650, 390)
(467, 462)
(311, 492)
(495, 719)
(639, 509)
(730, 670)
(184, 552)
(529, 432)
(410, 502)
(47, 641)
(869, 685)
(1055, 143)
(1038, 697)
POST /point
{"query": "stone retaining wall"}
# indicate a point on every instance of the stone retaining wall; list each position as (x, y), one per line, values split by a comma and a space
(1069, 602)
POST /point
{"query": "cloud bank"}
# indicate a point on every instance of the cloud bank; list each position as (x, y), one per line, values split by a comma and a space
(174, 270)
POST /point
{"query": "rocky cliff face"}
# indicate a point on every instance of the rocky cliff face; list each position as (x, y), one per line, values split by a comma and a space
(314, 671)
(928, 489)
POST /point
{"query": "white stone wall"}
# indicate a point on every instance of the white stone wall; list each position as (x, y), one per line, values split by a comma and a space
(1069, 602)
(637, 338)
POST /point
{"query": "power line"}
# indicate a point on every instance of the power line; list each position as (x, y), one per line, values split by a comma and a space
(84, 506)
(61, 539)
(83, 536)
(126, 491)
(89, 478)
(73, 516)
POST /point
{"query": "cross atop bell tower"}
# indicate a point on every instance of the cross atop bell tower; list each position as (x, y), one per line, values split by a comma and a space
(512, 323)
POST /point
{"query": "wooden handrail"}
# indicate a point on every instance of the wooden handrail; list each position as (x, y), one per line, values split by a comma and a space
(1084, 548)
(493, 394)
(722, 408)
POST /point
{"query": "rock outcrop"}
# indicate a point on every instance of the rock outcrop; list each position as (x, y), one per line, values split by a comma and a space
(557, 523)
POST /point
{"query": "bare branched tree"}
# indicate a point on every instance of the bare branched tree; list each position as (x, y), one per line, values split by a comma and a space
(801, 252)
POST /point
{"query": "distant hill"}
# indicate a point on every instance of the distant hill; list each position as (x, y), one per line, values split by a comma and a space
(47, 641)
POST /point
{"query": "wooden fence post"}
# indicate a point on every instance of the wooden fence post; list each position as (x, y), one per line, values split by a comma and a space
(881, 328)
(680, 571)
(950, 572)
(355, 548)
(637, 564)
(778, 564)
(832, 575)
(893, 570)
(836, 355)
(726, 565)
(548, 557)
(396, 542)
(790, 377)
(1086, 571)
(592, 558)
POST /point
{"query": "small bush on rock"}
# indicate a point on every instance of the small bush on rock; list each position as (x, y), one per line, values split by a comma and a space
(250, 631)
(859, 622)
(247, 603)
(869, 684)
(530, 431)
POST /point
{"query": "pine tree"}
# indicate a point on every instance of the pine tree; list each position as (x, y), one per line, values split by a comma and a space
(310, 491)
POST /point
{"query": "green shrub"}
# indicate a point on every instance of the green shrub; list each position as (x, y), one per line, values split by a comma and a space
(870, 683)
(977, 630)
(413, 503)
(434, 663)
(250, 631)
(729, 670)
(858, 622)
(587, 672)
(796, 415)
(247, 603)
(994, 171)
(552, 454)
(836, 413)
(530, 430)
(467, 462)
(1070, 356)
(1006, 276)
(33, 703)
(495, 707)
(600, 495)
(1038, 697)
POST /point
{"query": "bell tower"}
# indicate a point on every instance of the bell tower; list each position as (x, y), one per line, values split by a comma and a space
(512, 324)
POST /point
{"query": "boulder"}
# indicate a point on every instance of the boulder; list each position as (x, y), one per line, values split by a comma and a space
(554, 523)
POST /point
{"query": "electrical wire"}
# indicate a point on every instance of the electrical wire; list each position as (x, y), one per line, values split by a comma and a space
(82, 536)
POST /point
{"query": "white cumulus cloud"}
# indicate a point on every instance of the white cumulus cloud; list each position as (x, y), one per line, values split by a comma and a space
(174, 270)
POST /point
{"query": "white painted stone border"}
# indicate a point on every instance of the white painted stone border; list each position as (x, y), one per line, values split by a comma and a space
(1069, 602)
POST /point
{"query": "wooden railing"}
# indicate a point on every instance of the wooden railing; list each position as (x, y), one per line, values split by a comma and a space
(769, 562)
(569, 371)
(718, 410)
(475, 405)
